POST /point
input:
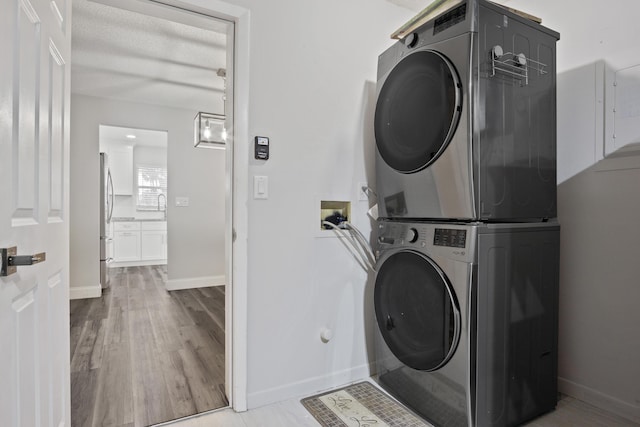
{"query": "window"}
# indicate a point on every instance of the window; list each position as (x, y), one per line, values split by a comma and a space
(152, 182)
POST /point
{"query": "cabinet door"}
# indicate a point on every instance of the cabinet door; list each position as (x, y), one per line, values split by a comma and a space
(121, 166)
(154, 244)
(126, 246)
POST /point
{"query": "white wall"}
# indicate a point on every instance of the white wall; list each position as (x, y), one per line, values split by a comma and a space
(312, 91)
(598, 208)
(195, 233)
(84, 213)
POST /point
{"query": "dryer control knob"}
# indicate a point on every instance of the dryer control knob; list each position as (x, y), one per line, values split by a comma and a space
(412, 235)
(411, 40)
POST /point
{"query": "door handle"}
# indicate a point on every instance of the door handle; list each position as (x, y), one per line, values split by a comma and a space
(10, 260)
(110, 195)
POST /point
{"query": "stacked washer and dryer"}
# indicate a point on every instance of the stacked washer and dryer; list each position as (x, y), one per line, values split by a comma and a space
(466, 290)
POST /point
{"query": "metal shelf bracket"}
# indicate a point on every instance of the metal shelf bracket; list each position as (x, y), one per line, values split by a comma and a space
(516, 65)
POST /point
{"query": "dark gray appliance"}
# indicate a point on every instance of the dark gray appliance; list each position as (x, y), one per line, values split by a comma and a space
(467, 320)
(106, 211)
(465, 121)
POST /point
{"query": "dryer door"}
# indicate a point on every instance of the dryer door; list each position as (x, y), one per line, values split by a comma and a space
(416, 310)
(417, 111)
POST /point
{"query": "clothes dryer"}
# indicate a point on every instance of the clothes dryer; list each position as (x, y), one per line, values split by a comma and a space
(465, 120)
(467, 320)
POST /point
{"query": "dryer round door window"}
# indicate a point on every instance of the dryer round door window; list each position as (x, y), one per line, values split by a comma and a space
(416, 311)
(417, 111)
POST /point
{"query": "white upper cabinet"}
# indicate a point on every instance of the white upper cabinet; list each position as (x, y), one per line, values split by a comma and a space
(121, 166)
(622, 117)
(598, 119)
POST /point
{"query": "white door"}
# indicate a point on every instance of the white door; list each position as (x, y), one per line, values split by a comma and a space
(34, 211)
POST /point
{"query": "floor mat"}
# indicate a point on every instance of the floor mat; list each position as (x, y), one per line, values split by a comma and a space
(359, 405)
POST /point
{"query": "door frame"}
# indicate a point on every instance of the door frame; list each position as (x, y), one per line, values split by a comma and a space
(237, 179)
(238, 175)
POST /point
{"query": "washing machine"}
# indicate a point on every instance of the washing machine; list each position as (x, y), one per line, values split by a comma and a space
(467, 320)
(465, 119)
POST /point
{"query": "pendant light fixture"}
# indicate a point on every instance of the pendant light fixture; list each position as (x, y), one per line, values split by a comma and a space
(208, 128)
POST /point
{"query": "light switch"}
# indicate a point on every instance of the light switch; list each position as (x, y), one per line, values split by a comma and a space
(182, 202)
(260, 187)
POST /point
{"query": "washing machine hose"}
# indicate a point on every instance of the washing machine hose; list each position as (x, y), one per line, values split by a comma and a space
(357, 244)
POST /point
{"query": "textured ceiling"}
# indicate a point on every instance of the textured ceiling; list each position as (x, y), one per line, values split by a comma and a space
(121, 54)
(418, 5)
(129, 56)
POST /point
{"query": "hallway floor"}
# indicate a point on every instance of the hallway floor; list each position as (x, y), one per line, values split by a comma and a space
(141, 355)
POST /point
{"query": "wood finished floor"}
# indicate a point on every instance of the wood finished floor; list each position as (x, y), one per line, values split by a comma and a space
(141, 355)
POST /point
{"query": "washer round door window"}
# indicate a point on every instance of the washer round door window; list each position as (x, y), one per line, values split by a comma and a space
(417, 111)
(416, 310)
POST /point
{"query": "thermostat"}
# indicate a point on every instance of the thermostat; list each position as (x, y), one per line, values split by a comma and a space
(262, 148)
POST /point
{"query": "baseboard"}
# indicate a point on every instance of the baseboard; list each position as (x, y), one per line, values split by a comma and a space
(82, 292)
(600, 400)
(140, 263)
(309, 386)
(194, 282)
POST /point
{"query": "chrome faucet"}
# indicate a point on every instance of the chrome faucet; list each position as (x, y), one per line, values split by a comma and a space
(165, 204)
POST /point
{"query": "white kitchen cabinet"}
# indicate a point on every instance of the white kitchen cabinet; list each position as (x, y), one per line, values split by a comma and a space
(126, 241)
(139, 243)
(121, 167)
(622, 109)
(154, 240)
(153, 245)
(126, 246)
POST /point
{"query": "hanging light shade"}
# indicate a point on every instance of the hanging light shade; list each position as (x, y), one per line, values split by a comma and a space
(209, 131)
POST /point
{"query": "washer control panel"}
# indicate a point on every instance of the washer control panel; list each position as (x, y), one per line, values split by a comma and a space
(451, 240)
(450, 237)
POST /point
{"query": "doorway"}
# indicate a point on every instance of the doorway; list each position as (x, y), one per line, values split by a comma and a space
(122, 101)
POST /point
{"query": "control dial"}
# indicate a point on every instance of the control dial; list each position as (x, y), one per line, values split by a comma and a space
(412, 235)
(411, 40)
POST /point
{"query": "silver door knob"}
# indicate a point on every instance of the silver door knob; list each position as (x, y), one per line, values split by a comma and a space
(10, 260)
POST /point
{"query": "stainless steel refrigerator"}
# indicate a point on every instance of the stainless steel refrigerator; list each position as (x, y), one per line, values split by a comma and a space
(106, 210)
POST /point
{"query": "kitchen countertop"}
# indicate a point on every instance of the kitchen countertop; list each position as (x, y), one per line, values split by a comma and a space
(131, 218)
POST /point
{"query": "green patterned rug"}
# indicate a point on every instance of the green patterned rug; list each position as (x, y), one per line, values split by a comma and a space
(359, 405)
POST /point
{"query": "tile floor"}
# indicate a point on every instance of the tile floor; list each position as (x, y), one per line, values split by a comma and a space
(570, 412)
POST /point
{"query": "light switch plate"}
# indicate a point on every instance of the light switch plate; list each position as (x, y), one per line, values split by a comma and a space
(182, 202)
(260, 187)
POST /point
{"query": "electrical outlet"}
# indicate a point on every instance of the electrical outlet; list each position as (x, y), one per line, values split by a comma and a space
(182, 202)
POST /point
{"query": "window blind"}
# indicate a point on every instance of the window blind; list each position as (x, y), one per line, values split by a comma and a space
(152, 181)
